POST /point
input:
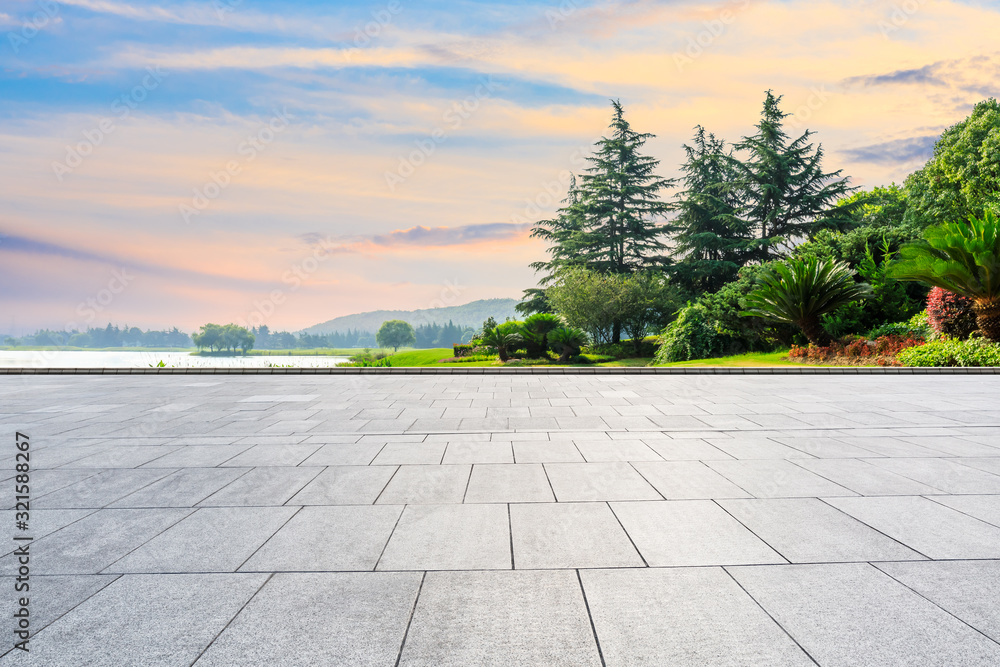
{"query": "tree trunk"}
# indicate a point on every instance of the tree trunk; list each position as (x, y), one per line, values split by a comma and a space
(813, 330)
(988, 319)
(616, 332)
(502, 353)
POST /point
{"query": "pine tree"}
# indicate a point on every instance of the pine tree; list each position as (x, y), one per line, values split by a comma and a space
(711, 241)
(788, 197)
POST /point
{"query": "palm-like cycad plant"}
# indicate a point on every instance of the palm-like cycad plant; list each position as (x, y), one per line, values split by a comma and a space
(503, 341)
(963, 258)
(567, 341)
(800, 291)
(535, 332)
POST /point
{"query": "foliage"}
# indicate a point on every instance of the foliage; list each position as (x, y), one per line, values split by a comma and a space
(588, 300)
(950, 314)
(535, 330)
(230, 337)
(711, 241)
(963, 177)
(690, 336)
(800, 291)
(786, 194)
(901, 329)
(881, 351)
(368, 359)
(952, 352)
(502, 341)
(395, 334)
(963, 258)
(647, 303)
(567, 342)
(100, 337)
(648, 347)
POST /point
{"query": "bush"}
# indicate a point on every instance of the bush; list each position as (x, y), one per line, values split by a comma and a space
(738, 334)
(952, 352)
(950, 314)
(902, 329)
(626, 349)
(881, 351)
(368, 359)
(690, 336)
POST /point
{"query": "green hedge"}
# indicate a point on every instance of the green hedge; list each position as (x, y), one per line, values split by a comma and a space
(952, 352)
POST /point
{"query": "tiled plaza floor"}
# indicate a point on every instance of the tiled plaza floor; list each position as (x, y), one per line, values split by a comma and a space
(507, 520)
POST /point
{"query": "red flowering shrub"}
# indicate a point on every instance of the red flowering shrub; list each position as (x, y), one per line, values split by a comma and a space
(881, 351)
(950, 314)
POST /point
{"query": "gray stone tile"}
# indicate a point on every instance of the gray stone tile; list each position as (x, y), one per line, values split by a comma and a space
(984, 508)
(569, 535)
(514, 618)
(41, 523)
(449, 537)
(272, 455)
(686, 449)
(954, 446)
(263, 486)
(509, 483)
(184, 488)
(356, 618)
(934, 530)
(777, 479)
(170, 620)
(479, 452)
(327, 538)
(100, 489)
(690, 532)
(573, 482)
(967, 589)
(212, 539)
(345, 485)
(546, 452)
(990, 465)
(852, 614)
(413, 453)
(687, 480)
(49, 598)
(807, 530)
(616, 450)
(360, 454)
(198, 456)
(943, 474)
(94, 542)
(862, 477)
(426, 484)
(755, 447)
(697, 617)
(823, 448)
(121, 456)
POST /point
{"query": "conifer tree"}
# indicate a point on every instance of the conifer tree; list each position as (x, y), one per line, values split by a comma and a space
(787, 195)
(710, 239)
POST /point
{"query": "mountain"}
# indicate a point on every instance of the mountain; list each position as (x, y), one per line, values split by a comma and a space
(469, 315)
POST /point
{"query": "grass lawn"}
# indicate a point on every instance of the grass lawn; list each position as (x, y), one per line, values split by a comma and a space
(315, 352)
(749, 359)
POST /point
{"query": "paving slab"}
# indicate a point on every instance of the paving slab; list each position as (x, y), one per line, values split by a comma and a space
(479, 452)
(862, 477)
(807, 530)
(263, 486)
(171, 618)
(690, 532)
(345, 485)
(449, 537)
(683, 617)
(327, 539)
(492, 618)
(184, 488)
(853, 614)
(301, 620)
(687, 480)
(212, 539)
(272, 455)
(616, 480)
(100, 489)
(569, 535)
(777, 479)
(358, 454)
(509, 483)
(49, 598)
(427, 484)
(948, 476)
(546, 452)
(198, 456)
(984, 508)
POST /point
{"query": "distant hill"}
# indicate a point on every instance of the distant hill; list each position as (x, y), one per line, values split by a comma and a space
(469, 315)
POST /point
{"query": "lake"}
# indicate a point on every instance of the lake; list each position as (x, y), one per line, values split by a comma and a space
(145, 359)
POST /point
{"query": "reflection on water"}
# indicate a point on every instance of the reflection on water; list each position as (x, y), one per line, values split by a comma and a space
(145, 359)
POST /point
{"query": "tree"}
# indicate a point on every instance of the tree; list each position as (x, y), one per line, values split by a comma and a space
(800, 291)
(648, 302)
(963, 258)
(210, 336)
(535, 330)
(589, 300)
(395, 334)
(711, 240)
(503, 341)
(609, 223)
(963, 177)
(567, 342)
(787, 196)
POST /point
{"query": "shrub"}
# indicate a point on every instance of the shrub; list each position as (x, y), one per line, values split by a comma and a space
(881, 351)
(535, 331)
(368, 359)
(950, 314)
(460, 350)
(952, 352)
(626, 349)
(690, 336)
(902, 329)
(567, 342)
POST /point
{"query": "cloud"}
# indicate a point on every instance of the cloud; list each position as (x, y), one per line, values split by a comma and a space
(450, 236)
(895, 151)
(926, 75)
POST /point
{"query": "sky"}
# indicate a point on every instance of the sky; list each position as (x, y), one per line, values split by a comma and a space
(283, 163)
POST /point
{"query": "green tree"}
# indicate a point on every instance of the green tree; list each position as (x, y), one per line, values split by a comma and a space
(787, 197)
(535, 330)
(567, 342)
(963, 177)
(711, 240)
(589, 300)
(648, 303)
(503, 340)
(395, 334)
(801, 291)
(963, 258)
(209, 337)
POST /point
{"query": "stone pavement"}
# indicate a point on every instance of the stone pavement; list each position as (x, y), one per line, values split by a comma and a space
(507, 520)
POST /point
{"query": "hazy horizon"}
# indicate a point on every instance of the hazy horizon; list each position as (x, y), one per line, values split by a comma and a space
(176, 163)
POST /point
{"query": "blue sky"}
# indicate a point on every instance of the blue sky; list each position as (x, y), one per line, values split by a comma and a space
(211, 148)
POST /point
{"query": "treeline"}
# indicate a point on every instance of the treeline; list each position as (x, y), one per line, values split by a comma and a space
(109, 336)
(427, 336)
